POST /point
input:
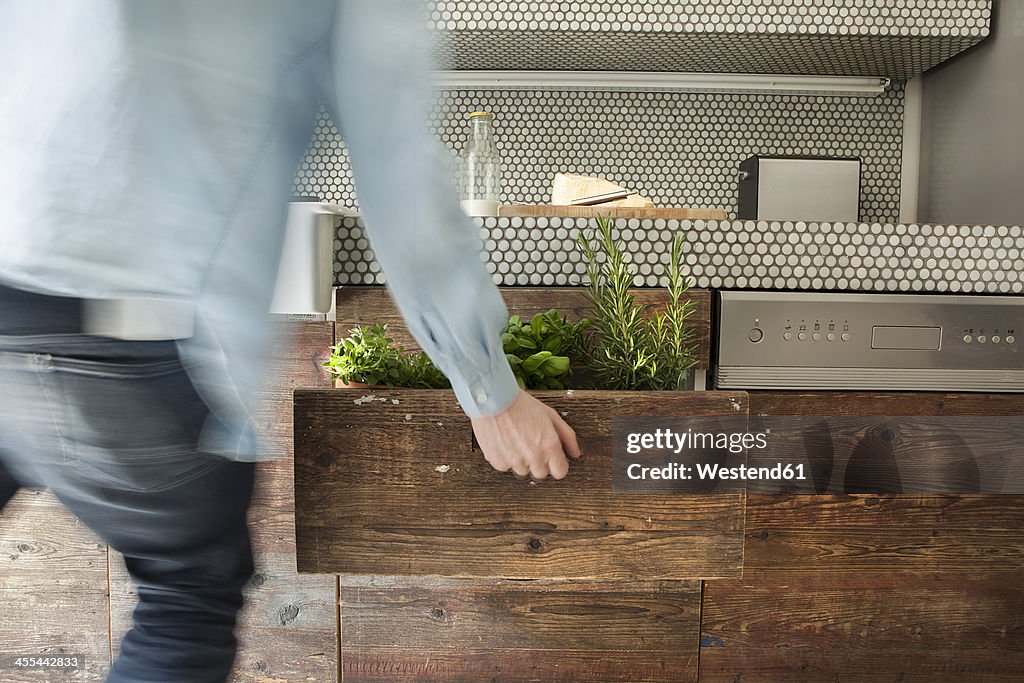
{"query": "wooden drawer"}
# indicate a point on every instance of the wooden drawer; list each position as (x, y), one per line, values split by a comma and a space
(387, 482)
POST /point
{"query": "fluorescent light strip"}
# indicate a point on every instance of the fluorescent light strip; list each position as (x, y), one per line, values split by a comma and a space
(643, 80)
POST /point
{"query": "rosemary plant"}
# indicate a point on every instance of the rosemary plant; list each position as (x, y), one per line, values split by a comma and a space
(631, 347)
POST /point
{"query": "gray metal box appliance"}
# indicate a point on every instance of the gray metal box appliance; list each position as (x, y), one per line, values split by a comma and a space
(780, 188)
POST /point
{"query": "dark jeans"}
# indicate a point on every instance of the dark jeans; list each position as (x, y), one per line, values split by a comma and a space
(111, 428)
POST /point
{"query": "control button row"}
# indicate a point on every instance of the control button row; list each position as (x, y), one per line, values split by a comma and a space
(816, 336)
(981, 339)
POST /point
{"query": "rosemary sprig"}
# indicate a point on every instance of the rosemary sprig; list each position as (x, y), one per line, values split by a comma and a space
(628, 348)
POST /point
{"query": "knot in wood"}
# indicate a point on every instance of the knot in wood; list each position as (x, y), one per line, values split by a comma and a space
(287, 614)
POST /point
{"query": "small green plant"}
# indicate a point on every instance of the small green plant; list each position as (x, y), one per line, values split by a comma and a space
(369, 356)
(629, 349)
(537, 350)
(419, 372)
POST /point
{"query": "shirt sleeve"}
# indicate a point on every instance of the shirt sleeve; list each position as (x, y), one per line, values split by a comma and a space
(429, 250)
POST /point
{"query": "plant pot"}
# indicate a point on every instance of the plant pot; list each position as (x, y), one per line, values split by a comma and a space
(339, 384)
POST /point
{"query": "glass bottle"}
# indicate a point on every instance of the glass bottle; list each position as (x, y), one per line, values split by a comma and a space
(480, 168)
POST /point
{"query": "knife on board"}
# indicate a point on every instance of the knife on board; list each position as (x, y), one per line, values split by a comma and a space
(603, 198)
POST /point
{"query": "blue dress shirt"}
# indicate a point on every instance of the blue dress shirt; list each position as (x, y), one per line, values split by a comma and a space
(147, 150)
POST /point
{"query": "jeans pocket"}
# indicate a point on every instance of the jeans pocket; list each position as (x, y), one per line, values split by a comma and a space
(129, 424)
(115, 370)
(137, 471)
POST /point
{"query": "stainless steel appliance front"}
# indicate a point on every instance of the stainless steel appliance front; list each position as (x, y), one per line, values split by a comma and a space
(807, 340)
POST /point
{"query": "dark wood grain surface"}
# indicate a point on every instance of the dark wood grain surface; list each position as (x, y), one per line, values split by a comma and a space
(867, 588)
(891, 533)
(387, 483)
(369, 305)
(422, 629)
(952, 533)
(288, 629)
(866, 627)
(53, 589)
(855, 403)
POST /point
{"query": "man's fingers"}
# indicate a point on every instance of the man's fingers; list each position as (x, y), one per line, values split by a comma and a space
(567, 435)
(558, 466)
(498, 464)
(521, 469)
(528, 438)
(539, 470)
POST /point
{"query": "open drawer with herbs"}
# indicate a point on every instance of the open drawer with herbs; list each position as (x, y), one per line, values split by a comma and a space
(434, 548)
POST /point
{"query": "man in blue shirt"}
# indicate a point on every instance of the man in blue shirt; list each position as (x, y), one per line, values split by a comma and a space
(146, 153)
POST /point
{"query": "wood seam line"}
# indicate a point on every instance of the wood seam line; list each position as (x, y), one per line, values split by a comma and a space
(700, 628)
(110, 620)
(339, 671)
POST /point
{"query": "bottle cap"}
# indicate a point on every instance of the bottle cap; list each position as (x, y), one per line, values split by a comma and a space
(481, 113)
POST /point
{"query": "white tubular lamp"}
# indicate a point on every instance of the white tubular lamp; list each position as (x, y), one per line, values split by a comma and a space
(854, 86)
(305, 274)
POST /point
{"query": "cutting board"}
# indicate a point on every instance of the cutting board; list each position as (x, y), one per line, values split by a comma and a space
(667, 213)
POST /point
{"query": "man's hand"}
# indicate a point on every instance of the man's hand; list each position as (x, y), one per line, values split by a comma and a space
(529, 438)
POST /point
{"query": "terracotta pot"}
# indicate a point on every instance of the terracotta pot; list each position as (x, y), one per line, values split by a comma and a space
(338, 384)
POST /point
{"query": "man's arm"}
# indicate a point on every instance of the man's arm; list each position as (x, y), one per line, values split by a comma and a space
(427, 247)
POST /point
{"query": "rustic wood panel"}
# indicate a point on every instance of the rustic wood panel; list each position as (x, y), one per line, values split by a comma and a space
(53, 589)
(870, 627)
(890, 533)
(664, 212)
(369, 305)
(422, 630)
(837, 403)
(371, 499)
(885, 533)
(287, 630)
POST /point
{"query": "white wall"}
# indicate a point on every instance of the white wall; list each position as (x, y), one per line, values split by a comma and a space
(972, 142)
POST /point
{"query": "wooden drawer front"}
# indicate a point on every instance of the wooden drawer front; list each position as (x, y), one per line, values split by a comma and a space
(864, 627)
(419, 630)
(387, 482)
